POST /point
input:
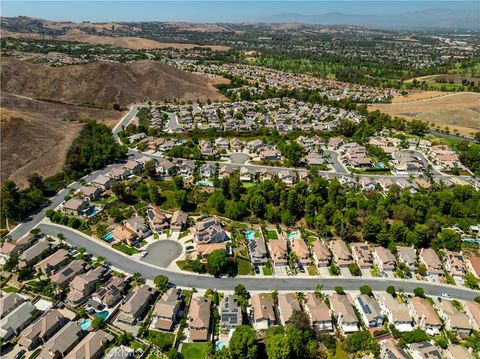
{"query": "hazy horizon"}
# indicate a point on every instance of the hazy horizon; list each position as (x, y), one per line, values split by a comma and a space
(229, 11)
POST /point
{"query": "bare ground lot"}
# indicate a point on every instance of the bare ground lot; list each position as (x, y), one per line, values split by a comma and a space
(35, 135)
(447, 78)
(460, 111)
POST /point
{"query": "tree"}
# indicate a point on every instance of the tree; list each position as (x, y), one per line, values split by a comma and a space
(217, 201)
(161, 282)
(299, 320)
(278, 347)
(11, 262)
(98, 323)
(243, 343)
(471, 281)
(318, 291)
(365, 289)
(257, 205)
(217, 262)
(391, 290)
(371, 227)
(419, 292)
(361, 341)
(150, 169)
(339, 290)
(181, 198)
(422, 269)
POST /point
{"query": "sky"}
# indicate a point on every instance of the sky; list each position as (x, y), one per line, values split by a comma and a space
(210, 11)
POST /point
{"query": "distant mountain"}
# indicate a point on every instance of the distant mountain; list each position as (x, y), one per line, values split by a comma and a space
(431, 18)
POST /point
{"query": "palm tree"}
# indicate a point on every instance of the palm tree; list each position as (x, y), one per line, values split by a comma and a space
(318, 291)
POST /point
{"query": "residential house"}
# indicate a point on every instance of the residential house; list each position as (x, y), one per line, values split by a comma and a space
(224, 172)
(397, 313)
(136, 304)
(207, 170)
(14, 247)
(134, 167)
(424, 315)
(42, 329)
(209, 230)
(390, 350)
(62, 342)
(362, 254)
(369, 310)
(341, 254)
(279, 252)
(33, 254)
(320, 253)
(236, 145)
(267, 174)
(65, 275)
(165, 168)
(103, 182)
(455, 320)
(429, 257)
(269, 155)
(454, 265)
(120, 352)
(424, 350)
(457, 351)
(53, 262)
(178, 223)
(262, 311)
(408, 256)
(335, 142)
(17, 320)
(138, 225)
(255, 145)
(473, 265)
(92, 346)
(221, 143)
(84, 285)
(344, 314)
(199, 319)
(287, 305)
(204, 250)
(157, 220)
(384, 259)
(119, 174)
(472, 309)
(186, 168)
(230, 313)
(318, 312)
(287, 177)
(245, 175)
(8, 302)
(300, 248)
(166, 310)
(206, 148)
(90, 193)
(257, 251)
(111, 293)
(124, 234)
(76, 207)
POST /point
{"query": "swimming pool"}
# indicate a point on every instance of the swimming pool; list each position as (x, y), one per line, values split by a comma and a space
(103, 314)
(108, 237)
(205, 184)
(220, 345)
(249, 234)
(91, 212)
(85, 324)
(293, 235)
(379, 165)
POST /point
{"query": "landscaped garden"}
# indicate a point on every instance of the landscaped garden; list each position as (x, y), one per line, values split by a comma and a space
(194, 350)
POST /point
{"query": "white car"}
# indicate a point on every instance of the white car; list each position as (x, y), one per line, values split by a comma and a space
(446, 295)
(144, 254)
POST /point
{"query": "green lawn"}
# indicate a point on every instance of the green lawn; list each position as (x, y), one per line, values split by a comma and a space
(184, 234)
(248, 184)
(267, 270)
(244, 267)
(169, 202)
(10, 289)
(164, 341)
(104, 201)
(194, 350)
(125, 249)
(272, 235)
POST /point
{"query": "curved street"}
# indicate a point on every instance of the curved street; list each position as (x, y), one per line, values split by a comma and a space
(184, 279)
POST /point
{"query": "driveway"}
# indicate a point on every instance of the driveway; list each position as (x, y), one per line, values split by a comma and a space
(345, 272)
(280, 271)
(366, 273)
(162, 252)
(323, 271)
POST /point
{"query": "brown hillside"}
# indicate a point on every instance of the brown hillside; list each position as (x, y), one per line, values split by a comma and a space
(104, 83)
(35, 135)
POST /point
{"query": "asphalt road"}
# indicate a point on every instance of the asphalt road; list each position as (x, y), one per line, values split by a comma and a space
(127, 264)
(162, 252)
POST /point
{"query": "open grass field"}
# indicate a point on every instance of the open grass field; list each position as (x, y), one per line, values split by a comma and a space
(194, 350)
(458, 111)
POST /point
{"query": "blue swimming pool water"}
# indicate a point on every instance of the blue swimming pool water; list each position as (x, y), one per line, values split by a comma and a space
(379, 165)
(108, 237)
(91, 212)
(181, 142)
(205, 183)
(85, 324)
(293, 235)
(103, 314)
(249, 234)
(220, 345)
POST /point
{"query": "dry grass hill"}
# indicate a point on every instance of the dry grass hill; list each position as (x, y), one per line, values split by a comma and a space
(104, 83)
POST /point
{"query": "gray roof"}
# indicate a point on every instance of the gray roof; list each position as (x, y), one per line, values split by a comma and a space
(17, 318)
(34, 251)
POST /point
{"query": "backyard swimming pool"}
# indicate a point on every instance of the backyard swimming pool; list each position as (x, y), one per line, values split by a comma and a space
(108, 237)
(85, 324)
(249, 234)
(293, 235)
(205, 184)
(220, 345)
(103, 314)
